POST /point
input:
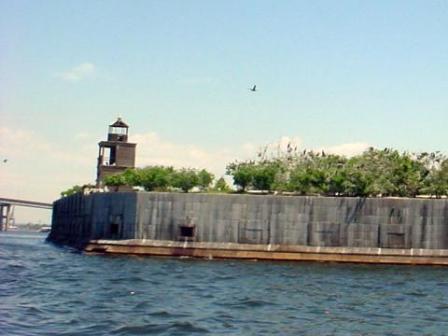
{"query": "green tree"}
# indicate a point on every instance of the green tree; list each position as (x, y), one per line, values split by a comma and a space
(264, 174)
(311, 173)
(71, 191)
(436, 182)
(132, 177)
(204, 179)
(407, 175)
(115, 180)
(155, 178)
(335, 174)
(300, 180)
(221, 185)
(185, 179)
(370, 174)
(355, 182)
(242, 173)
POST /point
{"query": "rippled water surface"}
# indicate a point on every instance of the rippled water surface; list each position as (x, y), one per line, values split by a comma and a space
(49, 290)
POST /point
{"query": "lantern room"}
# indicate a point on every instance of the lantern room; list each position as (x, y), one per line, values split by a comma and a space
(116, 154)
(118, 131)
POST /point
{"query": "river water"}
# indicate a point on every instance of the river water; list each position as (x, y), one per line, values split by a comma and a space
(50, 290)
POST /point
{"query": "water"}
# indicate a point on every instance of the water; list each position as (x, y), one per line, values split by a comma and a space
(49, 290)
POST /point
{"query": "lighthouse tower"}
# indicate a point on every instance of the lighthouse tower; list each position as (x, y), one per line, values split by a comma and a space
(116, 154)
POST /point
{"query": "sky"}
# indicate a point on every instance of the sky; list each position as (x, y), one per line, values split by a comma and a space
(334, 75)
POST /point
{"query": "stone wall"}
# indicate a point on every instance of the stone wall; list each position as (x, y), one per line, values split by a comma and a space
(101, 215)
(255, 219)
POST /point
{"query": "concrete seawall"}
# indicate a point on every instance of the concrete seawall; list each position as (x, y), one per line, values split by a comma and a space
(376, 227)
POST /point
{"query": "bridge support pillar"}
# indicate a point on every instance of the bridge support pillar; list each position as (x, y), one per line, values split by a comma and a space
(6, 216)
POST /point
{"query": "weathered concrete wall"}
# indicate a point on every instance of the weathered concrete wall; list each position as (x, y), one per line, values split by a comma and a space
(251, 219)
(82, 217)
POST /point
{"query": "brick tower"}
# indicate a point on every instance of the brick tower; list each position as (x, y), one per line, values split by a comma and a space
(116, 154)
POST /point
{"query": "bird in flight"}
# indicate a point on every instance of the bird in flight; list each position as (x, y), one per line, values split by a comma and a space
(5, 160)
(253, 89)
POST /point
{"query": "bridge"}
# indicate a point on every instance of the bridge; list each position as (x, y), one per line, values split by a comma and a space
(7, 206)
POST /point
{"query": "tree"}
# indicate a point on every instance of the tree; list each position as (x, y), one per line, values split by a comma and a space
(335, 174)
(185, 179)
(115, 180)
(355, 181)
(242, 173)
(264, 174)
(221, 185)
(407, 175)
(300, 180)
(155, 177)
(312, 173)
(375, 172)
(204, 179)
(436, 182)
(132, 177)
(129, 177)
(71, 191)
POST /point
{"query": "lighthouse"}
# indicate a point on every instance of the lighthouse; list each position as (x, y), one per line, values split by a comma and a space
(115, 154)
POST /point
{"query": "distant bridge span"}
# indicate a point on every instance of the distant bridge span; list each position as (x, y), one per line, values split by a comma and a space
(32, 204)
(7, 209)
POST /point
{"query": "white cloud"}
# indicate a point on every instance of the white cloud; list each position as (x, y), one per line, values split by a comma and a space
(78, 73)
(348, 149)
(153, 150)
(28, 145)
(37, 168)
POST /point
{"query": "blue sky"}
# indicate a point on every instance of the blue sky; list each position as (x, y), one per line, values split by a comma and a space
(331, 74)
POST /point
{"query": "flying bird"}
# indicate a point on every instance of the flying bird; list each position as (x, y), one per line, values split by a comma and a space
(253, 89)
(5, 160)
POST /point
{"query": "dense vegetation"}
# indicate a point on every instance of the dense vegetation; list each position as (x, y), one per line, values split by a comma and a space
(71, 191)
(76, 189)
(160, 178)
(374, 173)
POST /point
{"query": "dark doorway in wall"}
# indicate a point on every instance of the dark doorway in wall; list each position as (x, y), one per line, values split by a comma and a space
(186, 232)
(115, 226)
(114, 229)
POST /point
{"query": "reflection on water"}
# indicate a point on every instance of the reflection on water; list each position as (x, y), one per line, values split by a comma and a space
(48, 290)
